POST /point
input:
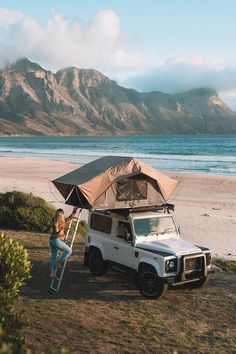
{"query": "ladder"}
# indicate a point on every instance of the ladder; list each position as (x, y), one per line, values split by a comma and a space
(59, 272)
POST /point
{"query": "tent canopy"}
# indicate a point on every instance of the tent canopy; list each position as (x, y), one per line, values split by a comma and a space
(115, 182)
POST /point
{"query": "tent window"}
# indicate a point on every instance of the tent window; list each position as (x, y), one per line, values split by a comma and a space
(133, 188)
(101, 223)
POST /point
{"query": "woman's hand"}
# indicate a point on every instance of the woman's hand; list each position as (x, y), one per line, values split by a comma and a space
(75, 210)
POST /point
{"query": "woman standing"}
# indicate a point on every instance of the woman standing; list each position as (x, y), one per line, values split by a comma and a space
(57, 238)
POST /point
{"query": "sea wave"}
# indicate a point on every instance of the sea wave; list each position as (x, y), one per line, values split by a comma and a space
(215, 155)
(61, 153)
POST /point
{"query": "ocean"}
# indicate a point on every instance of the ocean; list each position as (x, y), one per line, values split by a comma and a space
(202, 154)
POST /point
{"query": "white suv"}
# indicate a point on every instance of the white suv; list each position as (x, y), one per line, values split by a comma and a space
(148, 244)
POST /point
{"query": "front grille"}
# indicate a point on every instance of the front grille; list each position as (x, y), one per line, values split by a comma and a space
(193, 275)
(192, 267)
(194, 264)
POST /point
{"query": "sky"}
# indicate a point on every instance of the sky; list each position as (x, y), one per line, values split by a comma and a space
(165, 45)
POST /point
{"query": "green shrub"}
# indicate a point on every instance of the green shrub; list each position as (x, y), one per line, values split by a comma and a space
(14, 270)
(226, 265)
(23, 211)
(5, 348)
(82, 229)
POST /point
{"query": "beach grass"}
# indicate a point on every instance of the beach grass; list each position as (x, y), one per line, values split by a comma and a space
(226, 265)
(108, 315)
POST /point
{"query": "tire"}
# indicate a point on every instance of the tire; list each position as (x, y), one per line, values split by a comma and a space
(150, 284)
(198, 284)
(97, 265)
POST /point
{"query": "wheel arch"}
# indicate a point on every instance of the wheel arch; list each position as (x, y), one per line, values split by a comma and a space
(99, 247)
(147, 263)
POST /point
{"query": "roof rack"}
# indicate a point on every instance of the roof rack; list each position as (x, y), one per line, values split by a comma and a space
(164, 207)
(125, 212)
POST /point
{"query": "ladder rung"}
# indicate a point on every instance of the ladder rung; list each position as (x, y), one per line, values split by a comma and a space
(67, 241)
(54, 289)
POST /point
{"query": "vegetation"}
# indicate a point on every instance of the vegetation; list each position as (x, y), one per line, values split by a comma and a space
(82, 228)
(226, 265)
(23, 211)
(108, 315)
(14, 270)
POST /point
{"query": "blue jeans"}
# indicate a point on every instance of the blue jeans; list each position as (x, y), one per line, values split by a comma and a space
(56, 244)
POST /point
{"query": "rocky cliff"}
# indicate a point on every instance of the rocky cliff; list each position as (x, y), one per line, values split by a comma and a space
(78, 101)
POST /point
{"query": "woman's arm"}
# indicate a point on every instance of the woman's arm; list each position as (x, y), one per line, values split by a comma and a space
(71, 216)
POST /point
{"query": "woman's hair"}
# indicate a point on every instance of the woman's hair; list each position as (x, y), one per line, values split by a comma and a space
(58, 217)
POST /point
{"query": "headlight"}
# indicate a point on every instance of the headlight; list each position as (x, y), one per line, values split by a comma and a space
(171, 265)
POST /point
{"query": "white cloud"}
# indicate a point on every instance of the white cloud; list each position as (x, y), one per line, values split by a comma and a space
(229, 98)
(183, 73)
(100, 45)
(60, 42)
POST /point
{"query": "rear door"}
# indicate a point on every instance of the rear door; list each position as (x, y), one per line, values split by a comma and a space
(101, 232)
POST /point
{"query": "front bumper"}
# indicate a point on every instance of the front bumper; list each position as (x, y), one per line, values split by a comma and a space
(191, 268)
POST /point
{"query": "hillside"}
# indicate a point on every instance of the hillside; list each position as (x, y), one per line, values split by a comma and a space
(77, 101)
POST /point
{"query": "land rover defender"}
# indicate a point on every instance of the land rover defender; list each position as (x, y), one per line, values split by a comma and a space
(148, 244)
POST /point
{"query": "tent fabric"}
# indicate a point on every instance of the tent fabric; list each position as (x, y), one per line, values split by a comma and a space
(92, 181)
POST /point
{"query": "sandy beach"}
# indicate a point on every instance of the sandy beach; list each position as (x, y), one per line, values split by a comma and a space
(205, 205)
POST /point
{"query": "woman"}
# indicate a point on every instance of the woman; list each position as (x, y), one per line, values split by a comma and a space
(57, 239)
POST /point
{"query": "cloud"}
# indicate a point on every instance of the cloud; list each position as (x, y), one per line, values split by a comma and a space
(60, 42)
(183, 73)
(100, 45)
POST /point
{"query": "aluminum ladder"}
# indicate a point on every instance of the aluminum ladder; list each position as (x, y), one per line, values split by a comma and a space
(59, 272)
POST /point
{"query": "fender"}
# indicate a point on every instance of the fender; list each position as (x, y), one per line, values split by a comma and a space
(152, 263)
(100, 247)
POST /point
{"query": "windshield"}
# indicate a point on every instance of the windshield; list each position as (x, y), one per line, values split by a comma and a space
(154, 226)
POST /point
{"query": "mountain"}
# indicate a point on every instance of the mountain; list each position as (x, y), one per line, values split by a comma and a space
(77, 101)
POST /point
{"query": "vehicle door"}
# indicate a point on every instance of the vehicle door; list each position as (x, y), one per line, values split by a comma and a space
(123, 250)
(101, 233)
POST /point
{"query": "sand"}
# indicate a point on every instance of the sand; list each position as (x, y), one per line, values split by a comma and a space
(205, 205)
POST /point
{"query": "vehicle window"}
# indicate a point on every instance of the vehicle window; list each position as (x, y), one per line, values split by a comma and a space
(124, 230)
(158, 226)
(101, 223)
(133, 188)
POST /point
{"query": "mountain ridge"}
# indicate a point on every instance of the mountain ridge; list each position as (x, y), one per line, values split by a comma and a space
(35, 101)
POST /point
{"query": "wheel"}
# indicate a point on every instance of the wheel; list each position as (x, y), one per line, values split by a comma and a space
(198, 284)
(97, 265)
(150, 284)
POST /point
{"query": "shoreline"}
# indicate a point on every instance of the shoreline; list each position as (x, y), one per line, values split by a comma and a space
(88, 135)
(205, 204)
(169, 172)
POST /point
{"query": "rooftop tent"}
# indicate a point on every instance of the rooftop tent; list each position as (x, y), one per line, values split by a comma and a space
(115, 182)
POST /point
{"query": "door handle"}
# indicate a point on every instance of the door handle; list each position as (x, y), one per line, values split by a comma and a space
(116, 247)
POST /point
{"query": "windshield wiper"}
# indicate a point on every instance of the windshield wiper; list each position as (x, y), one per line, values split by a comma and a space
(168, 231)
(152, 233)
